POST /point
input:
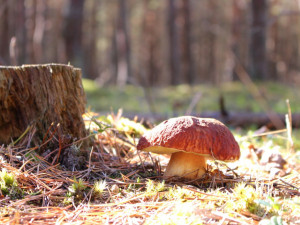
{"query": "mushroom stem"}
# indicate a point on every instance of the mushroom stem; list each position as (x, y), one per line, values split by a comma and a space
(187, 165)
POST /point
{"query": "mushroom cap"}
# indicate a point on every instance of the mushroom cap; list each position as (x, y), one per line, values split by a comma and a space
(201, 136)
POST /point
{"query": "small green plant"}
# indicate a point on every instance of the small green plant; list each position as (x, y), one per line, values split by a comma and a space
(99, 187)
(272, 205)
(179, 193)
(135, 186)
(245, 199)
(77, 186)
(152, 186)
(7, 179)
(127, 126)
(100, 124)
(76, 191)
(253, 200)
(9, 185)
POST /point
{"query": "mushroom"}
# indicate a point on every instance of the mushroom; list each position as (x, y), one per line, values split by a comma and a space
(191, 141)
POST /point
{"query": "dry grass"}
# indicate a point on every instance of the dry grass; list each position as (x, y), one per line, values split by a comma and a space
(130, 188)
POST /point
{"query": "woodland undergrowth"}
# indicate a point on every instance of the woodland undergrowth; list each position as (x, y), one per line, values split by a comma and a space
(120, 185)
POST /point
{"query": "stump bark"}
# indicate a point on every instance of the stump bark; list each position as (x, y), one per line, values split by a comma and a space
(38, 96)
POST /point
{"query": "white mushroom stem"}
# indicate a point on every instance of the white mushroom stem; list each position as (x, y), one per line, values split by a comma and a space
(187, 165)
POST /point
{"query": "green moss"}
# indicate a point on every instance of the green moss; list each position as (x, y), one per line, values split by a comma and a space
(154, 187)
(76, 191)
(245, 197)
(9, 185)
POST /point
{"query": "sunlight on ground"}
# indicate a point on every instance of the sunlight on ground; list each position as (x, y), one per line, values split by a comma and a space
(121, 185)
(177, 99)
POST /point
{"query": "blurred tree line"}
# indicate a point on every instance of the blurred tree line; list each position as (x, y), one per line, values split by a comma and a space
(156, 42)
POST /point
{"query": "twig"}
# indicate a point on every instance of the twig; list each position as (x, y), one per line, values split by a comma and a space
(264, 134)
(293, 186)
(22, 135)
(253, 89)
(288, 121)
(193, 103)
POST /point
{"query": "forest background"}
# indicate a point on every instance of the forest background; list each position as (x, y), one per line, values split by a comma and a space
(150, 43)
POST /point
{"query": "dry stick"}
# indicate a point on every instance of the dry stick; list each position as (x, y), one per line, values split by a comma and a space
(77, 212)
(22, 135)
(31, 198)
(44, 138)
(264, 134)
(288, 119)
(142, 162)
(74, 142)
(289, 110)
(61, 219)
(246, 80)
(149, 98)
(219, 172)
(50, 138)
(90, 162)
(293, 186)
(216, 162)
(24, 164)
(31, 135)
(59, 145)
(193, 103)
(40, 182)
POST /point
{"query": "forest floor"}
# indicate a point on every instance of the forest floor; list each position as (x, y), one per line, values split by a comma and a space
(183, 99)
(120, 185)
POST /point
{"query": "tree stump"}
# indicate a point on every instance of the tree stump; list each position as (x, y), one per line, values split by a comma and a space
(38, 96)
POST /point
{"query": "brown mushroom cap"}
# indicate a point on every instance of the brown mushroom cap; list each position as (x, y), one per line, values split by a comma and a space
(201, 136)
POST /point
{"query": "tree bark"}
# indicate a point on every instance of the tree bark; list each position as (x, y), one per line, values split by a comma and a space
(237, 33)
(187, 56)
(258, 39)
(12, 32)
(73, 32)
(150, 47)
(123, 45)
(5, 36)
(175, 69)
(90, 41)
(38, 96)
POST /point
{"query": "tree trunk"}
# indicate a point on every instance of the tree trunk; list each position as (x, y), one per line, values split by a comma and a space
(188, 64)
(90, 43)
(5, 36)
(73, 32)
(38, 96)
(12, 32)
(258, 39)
(150, 47)
(236, 33)
(174, 45)
(123, 45)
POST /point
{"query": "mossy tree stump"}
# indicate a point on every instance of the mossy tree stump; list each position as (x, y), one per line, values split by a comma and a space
(38, 96)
